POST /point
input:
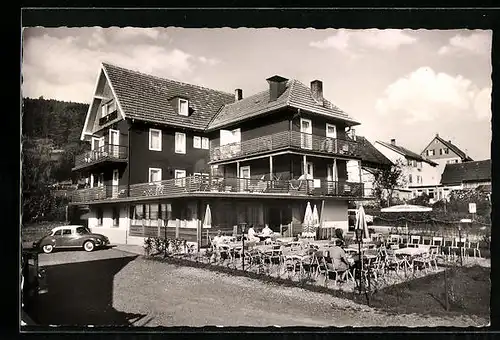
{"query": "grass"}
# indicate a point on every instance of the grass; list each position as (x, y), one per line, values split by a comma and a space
(468, 293)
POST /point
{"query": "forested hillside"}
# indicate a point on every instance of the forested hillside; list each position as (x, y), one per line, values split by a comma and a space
(48, 125)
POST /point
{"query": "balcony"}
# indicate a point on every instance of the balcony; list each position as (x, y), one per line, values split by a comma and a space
(217, 186)
(285, 140)
(105, 153)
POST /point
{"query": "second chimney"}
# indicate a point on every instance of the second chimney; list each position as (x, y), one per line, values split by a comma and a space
(317, 90)
(277, 85)
(238, 94)
(393, 141)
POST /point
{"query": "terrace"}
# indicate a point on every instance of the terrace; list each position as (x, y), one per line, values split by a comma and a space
(105, 153)
(286, 140)
(220, 186)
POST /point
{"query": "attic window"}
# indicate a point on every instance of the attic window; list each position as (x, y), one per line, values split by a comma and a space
(183, 107)
(108, 108)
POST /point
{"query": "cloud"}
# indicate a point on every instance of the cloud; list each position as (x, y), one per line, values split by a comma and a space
(478, 42)
(353, 40)
(208, 61)
(425, 95)
(65, 66)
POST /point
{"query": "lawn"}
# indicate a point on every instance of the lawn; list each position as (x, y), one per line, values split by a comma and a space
(469, 293)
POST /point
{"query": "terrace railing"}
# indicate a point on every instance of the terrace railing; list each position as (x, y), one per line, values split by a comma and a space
(107, 152)
(222, 185)
(285, 139)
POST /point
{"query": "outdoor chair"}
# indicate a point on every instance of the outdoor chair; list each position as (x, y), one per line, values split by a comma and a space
(447, 247)
(295, 245)
(458, 247)
(426, 240)
(415, 239)
(292, 265)
(425, 260)
(437, 241)
(224, 252)
(394, 239)
(341, 276)
(392, 262)
(474, 246)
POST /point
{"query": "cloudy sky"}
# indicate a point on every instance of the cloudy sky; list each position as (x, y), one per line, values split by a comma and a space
(402, 84)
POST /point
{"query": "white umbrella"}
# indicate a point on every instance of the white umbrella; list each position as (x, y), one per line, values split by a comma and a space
(361, 222)
(406, 208)
(207, 221)
(315, 217)
(308, 218)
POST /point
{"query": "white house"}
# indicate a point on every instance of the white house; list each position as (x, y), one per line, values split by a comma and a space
(420, 174)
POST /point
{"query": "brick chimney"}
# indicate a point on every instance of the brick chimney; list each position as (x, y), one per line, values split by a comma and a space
(277, 85)
(393, 141)
(238, 94)
(317, 90)
(437, 134)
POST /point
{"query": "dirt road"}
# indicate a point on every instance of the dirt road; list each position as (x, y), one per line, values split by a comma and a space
(110, 287)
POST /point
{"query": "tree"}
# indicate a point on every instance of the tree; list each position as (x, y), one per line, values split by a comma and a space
(387, 180)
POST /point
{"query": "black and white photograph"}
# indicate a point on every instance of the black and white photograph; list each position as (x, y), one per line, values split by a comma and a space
(258, 177)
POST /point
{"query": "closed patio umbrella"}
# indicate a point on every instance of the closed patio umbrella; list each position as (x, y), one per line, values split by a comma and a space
(361, 222)
(315, 217)
(207, 221)
(308, 223)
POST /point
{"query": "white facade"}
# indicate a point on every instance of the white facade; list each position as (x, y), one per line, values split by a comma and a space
(335, 215)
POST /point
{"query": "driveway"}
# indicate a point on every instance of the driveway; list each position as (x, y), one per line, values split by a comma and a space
(111, 287)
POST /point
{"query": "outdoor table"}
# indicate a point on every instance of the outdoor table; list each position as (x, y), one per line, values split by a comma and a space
(411, 251)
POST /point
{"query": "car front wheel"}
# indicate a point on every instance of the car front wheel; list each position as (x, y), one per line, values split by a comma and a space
(48, 248)
(88, 246)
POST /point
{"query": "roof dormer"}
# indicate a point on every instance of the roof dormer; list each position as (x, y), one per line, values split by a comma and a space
(181, 105)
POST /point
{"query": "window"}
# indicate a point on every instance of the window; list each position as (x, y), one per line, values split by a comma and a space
(155, 139)
(440, 151)
(99, 216)
(116, 217)
(204, 143)
(419, 164)
(456, 160)
(331, 131)
(180, 174)
(431, 152)
(180, 142)
(446, 150)
(183, 107)
(197, 142)
(410, 178)
(66, 232)
(154, 175)
(427, 152)
(58, 232)
(108, 108)
(82, 231)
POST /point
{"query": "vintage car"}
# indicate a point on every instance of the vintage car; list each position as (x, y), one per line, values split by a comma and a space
(71, 236)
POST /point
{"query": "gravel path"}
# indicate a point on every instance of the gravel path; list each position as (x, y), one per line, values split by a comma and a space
(117, 288)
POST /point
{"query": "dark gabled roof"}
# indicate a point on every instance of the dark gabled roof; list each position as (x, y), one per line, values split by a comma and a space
(407, 153)
(455, 149)
(296, 95)
(148, 98)
(369, 154)
(475, 171)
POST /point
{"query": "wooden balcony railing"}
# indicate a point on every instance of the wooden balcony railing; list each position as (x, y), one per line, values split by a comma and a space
(219, 185)
(107, 152)
(285, 139)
